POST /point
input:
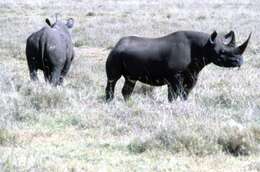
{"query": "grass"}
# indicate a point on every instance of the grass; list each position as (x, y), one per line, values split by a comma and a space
(71, 128)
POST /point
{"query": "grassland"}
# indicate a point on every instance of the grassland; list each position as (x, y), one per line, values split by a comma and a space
(70, 128)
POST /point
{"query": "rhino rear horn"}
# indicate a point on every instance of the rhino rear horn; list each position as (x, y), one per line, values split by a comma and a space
(230, 39)
(243, 46)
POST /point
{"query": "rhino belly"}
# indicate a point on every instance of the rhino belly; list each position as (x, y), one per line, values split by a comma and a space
(152, 81)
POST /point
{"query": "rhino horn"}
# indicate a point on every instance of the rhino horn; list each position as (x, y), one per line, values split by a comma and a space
(230, 39)
(240, 49)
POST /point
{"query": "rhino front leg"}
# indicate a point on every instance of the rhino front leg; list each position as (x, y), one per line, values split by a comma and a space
(172, 94)
(175, 91)
(189, 82)
(184, 94)
(175, 88)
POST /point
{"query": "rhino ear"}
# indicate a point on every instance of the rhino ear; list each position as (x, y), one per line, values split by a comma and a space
(57, 16)
(70, 23)
(212, 38)
(230, 39)
(48, 22)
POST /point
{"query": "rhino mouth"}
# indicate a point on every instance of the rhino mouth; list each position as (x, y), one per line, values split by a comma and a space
(236, 62)
(231, 62)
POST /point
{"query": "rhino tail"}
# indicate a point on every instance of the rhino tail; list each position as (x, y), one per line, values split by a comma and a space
(43, 53)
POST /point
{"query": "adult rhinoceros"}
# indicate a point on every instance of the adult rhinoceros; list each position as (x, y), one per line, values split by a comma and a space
(50, 49)
(175, 60)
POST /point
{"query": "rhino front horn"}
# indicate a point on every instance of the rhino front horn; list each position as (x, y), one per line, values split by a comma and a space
(242, 47)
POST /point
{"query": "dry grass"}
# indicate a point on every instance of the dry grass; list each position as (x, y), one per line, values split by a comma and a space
(70, 128)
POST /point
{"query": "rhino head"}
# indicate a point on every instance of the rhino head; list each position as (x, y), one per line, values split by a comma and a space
(223, 52)
(58, 24)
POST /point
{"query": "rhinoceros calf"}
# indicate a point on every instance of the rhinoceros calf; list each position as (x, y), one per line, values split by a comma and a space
(175, 60)
(50, 49)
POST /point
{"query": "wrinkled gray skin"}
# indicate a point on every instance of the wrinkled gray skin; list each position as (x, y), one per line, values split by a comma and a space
(175, 60)
(50, 49)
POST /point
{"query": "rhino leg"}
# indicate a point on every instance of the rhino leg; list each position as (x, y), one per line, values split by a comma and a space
(175, 88)
(55, 75)
(33, 75)
(47, 74)
(184, 94)
(64, 71)
(177, 91)
(114, 72)
(128, 88)
(172, 94)
(32, 68)
(110, 89)
(189, 82)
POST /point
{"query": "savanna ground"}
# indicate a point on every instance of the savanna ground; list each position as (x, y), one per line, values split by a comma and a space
(70, 128)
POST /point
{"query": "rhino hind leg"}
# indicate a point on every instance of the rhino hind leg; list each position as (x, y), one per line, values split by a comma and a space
(47, 75)
(128, 88)
(64, 71)
(110, 88)
(114, 72)
(32, 69)
(33, 75)
(55, 76)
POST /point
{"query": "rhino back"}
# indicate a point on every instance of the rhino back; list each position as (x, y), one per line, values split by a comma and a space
(57, 45)
(166, 53)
